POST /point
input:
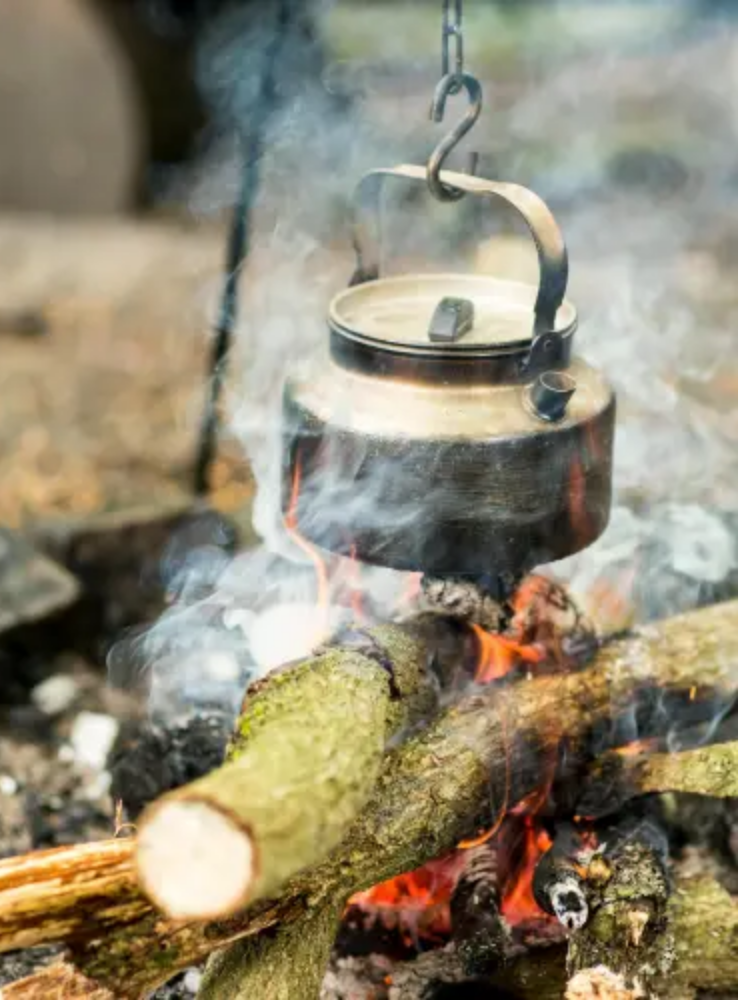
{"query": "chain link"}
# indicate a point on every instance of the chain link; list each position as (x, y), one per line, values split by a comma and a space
(452, 28)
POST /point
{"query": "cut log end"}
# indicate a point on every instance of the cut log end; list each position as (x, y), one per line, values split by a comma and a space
(194, 861)
(601, 984)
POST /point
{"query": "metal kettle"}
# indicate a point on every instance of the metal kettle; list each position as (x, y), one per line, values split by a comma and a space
(451, 431)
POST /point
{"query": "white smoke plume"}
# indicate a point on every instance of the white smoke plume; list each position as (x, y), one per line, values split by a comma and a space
(635, 152)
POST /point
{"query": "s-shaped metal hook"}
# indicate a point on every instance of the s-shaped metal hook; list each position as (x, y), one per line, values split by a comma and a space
(450, 84)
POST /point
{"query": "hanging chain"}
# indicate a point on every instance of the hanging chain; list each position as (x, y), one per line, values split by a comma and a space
(452, 82)
(452, 28)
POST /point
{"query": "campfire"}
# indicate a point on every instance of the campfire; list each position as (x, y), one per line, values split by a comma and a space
(450, 804)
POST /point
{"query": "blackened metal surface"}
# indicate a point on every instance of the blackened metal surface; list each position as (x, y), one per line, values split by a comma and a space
(450, 507)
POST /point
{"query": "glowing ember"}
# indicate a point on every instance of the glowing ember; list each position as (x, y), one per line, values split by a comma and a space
(417, 902)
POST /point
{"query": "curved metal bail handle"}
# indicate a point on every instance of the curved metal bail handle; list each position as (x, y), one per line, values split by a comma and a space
(552, 256)
(453, 83)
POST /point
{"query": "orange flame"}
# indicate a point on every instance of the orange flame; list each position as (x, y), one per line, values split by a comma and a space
(636, 747)
(291, 524)
(531, 639)
(356, 597)
(518, 902)
(498, 655)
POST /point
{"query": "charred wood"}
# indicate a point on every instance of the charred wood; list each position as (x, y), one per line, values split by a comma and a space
(149, 759)
(477, 928)
(462, 599)
(559, 880)
(628, 931)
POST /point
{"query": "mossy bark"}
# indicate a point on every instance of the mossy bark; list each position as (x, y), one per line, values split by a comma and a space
(616, 777)
(628, 931)
(702, 922)
(477, 758)
(709, 770)
(282, 966)
(308, 749)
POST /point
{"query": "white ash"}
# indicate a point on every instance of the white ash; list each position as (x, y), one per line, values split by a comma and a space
(192, 980)
(92, 738)
(569, 904)
(55, 695)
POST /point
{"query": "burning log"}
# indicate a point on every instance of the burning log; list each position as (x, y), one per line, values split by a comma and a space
(479, 757)
(629, 888)
(703, 922)
(308, 750)
(478, 930)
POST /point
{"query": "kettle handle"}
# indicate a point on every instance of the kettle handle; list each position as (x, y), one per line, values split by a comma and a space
(552, 256)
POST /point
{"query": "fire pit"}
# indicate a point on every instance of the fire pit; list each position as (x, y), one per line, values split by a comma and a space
(442, 779)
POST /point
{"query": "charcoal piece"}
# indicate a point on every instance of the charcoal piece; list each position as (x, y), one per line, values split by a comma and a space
(558, 882)
(149, 759)
(471, 989)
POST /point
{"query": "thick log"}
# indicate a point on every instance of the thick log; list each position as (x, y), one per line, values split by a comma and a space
(309, 748)
(478, 758)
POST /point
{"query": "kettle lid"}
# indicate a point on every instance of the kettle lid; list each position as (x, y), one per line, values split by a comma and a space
(443, 315)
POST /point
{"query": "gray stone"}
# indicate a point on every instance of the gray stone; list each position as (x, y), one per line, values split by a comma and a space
(32, 586)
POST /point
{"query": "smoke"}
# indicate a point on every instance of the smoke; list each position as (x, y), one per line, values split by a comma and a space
(634, 149)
